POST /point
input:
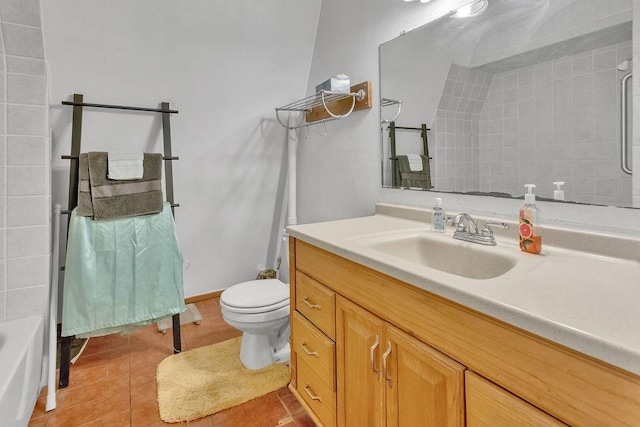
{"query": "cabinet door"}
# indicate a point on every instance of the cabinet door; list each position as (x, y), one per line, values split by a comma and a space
(358, 342)
(423, 386)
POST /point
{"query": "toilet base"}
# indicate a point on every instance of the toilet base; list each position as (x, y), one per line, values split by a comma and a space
(256, 351)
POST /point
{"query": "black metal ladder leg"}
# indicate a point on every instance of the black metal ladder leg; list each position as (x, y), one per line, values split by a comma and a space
(65, 361)
(177, 342)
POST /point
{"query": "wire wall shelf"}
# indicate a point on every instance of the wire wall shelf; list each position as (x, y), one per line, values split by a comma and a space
(325, 106)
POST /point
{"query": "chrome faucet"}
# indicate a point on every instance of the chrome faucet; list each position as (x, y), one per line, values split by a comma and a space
(467, 229)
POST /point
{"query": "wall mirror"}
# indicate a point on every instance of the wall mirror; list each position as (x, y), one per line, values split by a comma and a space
(533, 91)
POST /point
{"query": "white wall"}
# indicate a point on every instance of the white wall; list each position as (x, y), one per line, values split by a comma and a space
(340, 173)
(225, 66)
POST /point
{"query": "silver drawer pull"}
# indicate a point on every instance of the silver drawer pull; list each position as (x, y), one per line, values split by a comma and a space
(310, 394)
(306, 301)
(372, 354)
(310, 353)
(385, 372)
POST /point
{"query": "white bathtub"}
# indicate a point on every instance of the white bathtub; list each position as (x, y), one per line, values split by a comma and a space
(21, 343)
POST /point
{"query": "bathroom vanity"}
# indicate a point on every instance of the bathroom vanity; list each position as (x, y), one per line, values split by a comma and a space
(395, 325)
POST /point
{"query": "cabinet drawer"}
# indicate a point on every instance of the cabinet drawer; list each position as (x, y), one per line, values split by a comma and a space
(490, 405)
(320, 397)
(315, 348)
(317, 303)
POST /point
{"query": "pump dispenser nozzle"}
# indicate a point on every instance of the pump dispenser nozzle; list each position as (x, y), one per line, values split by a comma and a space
(558, 194)
(529, 197)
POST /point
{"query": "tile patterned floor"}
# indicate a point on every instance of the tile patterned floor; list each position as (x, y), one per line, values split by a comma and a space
(113, 383)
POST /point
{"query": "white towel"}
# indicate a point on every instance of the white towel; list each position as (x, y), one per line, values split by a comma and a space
(415, 162)
(125, 165)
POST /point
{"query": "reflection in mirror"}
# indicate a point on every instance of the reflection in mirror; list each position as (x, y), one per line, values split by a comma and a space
(527, 92)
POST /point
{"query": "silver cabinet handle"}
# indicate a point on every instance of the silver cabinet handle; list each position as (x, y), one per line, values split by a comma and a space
(372, 350)
(310, 393)
(306, 301)
(306, 350)
(385, 372)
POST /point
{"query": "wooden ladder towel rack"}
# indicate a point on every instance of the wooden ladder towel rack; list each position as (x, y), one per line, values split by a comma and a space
(395, 171)
(74, 157)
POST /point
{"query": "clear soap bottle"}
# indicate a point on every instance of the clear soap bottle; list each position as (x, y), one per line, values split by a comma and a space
(437, 217)
(529, 223)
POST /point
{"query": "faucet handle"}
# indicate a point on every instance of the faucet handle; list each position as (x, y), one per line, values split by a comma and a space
(458, 223)
(487, 231)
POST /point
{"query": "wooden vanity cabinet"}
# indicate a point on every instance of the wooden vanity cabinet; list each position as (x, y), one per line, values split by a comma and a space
(387, 377)
(446, 364)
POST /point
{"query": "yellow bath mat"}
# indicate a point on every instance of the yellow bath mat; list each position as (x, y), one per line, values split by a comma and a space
(206, 380)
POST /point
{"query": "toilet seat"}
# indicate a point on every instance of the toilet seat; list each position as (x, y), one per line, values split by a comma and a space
(255, 296)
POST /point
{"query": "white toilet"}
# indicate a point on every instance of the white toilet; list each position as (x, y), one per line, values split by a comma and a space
(260, 309)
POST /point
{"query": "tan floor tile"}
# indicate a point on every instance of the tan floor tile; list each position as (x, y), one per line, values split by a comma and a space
(118, 419)
(302, 419)
(70, 397)
(144, 412)
(114, 383)
(78, 415)
(118, 366)
(39, 422)
(96, 423)
(97, 345)
(290, 402)
(40, 409)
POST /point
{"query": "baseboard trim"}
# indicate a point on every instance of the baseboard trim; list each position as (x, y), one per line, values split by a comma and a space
(202, 297)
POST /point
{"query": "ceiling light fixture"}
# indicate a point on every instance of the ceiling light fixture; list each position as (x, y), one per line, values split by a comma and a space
(421, 1)
(474, 8)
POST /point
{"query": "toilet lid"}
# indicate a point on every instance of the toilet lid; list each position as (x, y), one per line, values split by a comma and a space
(256, 293)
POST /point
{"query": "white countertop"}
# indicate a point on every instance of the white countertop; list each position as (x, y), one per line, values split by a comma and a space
(586, 299)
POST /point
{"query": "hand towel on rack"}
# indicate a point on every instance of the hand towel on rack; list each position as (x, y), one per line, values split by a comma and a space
(415, 162)
(121, 273)
(125, 165)
(102, 198)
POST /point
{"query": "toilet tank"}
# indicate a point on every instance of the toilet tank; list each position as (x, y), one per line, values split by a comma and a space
(283, 270)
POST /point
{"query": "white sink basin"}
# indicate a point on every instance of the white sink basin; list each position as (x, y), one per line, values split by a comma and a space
(442, 253)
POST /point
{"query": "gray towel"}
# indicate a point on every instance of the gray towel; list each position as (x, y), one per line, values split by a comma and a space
(103, 198)
(410, 178)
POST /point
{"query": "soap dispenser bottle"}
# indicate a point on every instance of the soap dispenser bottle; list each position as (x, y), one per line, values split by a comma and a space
(529, 228)
(437, 216)
(558, 194)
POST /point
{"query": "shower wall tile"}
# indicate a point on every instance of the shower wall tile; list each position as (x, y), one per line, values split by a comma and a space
(3, 305)
(26, 120)
(3, 188)
(25, 302)
(23, 41)
(26, 272)
(19, 65)
(26, 241)
(24, 211)
(25, 12)
(26, 181)
(25, 89)
(3, 236)
(26, 151)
